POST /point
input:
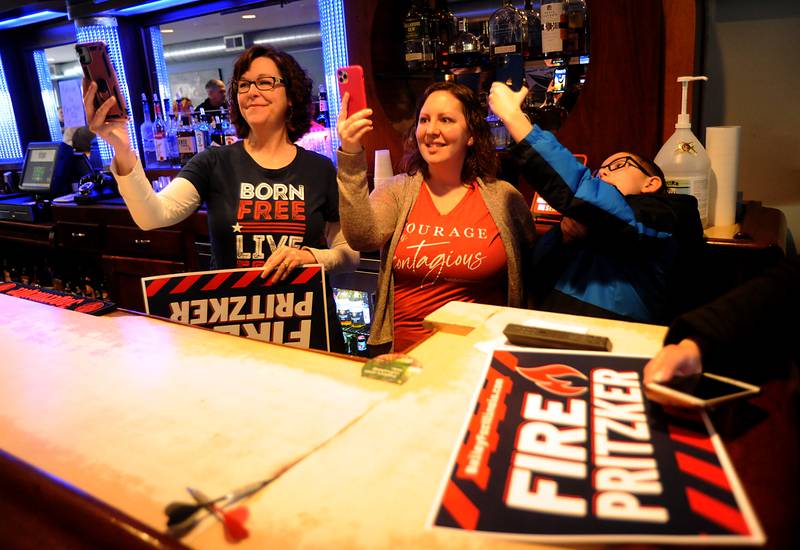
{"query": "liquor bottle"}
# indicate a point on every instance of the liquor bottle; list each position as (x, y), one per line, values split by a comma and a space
(146, 130)
(575, 42)
(444, 28)
(533, 31)
(361, 345)
(500, 134)
(201, 130)
(217, 135)
(418, 47)
(187, 141)
(322, 118)
(465, 49)
(505, 30)
(228, 131)
(173, 155)
(343, 307)
(483, 38)
(159, 133)
(554, 23)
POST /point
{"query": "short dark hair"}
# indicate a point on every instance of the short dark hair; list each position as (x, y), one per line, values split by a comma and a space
(652, 169)
(298, 91)
(481, 159)
(82, 139)
(215, 83)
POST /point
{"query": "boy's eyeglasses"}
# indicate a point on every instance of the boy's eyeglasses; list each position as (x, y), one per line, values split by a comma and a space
(619, 163)
(265, 84)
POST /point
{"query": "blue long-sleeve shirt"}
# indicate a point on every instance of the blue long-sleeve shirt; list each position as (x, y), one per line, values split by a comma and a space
(625, 267)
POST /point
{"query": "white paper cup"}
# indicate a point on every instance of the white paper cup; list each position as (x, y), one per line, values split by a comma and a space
(383, 164)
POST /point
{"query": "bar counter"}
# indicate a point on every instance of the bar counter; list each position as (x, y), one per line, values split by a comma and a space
(114, 416)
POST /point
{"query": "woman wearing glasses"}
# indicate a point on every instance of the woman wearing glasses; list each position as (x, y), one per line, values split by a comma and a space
(624, 239)
(270, 203)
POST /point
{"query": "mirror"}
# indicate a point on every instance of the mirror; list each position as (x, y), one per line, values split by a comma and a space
(204, 48)
(65, 76)
(200, 52)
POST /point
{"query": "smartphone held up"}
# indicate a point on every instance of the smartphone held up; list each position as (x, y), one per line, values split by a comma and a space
(96, 64)
(703, 390)
(351, 79)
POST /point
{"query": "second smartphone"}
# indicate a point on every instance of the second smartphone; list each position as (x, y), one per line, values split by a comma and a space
(351, 79)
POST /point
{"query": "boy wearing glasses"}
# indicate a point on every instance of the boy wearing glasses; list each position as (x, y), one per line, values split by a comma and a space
(623, 240)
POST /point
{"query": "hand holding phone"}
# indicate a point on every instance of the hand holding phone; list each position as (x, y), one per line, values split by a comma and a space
(510, 70)
(351, 125)
(351, 80)
(699, 390)
(97, 68)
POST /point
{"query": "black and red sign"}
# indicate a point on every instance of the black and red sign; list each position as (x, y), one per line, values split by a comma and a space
(240, 302)
(563, 447)
(57, 298)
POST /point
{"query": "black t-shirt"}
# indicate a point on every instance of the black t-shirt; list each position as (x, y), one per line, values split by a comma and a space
(252, 210)
(208, 107)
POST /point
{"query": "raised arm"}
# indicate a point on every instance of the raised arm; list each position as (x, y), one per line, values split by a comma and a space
(368, 221)
(151, 210)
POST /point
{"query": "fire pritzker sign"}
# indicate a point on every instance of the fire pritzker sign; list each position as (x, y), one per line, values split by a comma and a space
(240, 302)
(563, 447)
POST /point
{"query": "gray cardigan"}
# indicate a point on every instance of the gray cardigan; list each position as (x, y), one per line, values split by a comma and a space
(375, 221)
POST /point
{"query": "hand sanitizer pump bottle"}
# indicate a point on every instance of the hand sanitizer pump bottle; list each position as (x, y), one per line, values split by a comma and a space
(683, 158)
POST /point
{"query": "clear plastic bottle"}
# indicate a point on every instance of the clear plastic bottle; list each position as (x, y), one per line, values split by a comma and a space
(683, 158)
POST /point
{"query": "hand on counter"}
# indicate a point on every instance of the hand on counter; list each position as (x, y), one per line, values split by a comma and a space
(284, 260)
(352, 129)
(115, 131)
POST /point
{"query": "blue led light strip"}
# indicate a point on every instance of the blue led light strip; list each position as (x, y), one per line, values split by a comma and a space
(105, 29)
(162, 76)
(150, 6)
(48, 94)
(10, 148)
(37, 17)
(334, 55)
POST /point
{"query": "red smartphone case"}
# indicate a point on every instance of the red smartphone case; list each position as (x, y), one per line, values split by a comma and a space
(96, 65)
(351, 79)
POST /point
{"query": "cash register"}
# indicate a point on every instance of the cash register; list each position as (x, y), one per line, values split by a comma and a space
(49, 170)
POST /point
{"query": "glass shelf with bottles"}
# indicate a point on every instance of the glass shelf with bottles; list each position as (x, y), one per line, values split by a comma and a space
(172, 136)
(550, 33)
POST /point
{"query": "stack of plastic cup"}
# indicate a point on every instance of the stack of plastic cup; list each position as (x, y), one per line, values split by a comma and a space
(383, 167)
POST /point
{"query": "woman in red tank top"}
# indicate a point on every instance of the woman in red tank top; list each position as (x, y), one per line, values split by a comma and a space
(447, 228)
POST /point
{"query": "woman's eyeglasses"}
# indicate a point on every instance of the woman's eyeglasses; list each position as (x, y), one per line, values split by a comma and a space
(264, 83)
(619, 163)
